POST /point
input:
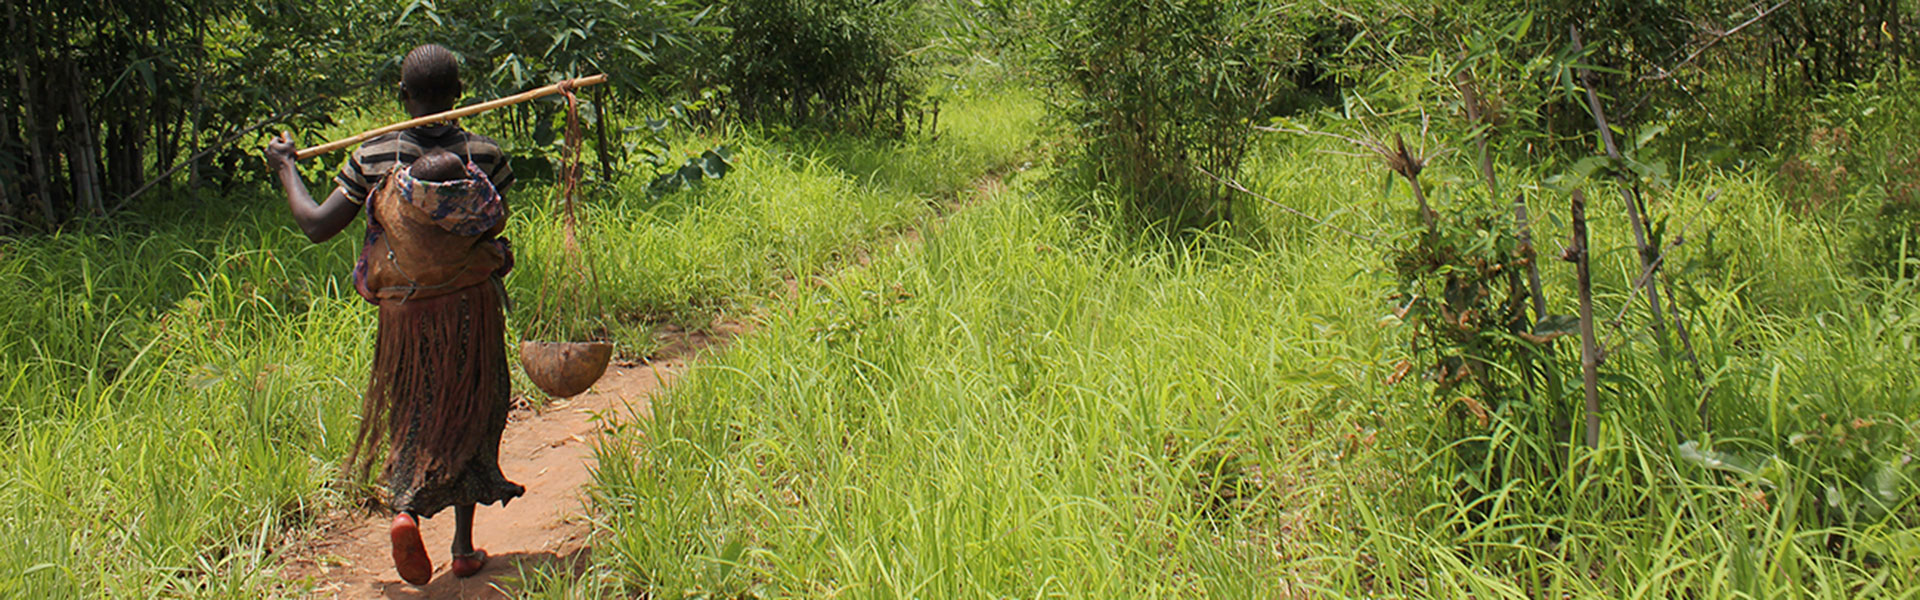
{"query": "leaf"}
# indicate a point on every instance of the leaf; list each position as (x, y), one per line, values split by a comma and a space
(1744, 464)
(543, 132)
(205, 378)
(1552, 327)
(1649, 172)
(643, 55)
(729, 560)
(1884, 490)
(1648, 133)
(413, 6)
(1557, 325)
(714, 165)
(1518, 30)
(1589, 165)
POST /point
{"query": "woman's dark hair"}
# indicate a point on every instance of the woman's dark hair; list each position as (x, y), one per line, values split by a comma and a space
(438, 165)
(431, 74)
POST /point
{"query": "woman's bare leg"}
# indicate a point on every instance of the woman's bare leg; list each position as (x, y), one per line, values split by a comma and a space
(466, 560)
(462, 529)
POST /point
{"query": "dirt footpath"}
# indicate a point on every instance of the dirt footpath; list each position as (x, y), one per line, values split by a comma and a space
(549, 450)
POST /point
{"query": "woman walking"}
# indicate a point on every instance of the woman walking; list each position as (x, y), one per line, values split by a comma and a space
(432, 261)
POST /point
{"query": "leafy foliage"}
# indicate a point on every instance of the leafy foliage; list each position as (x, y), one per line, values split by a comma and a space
(648, 49)
(1469, 313)
(1801, 461)
(651, 51)
(99, 100)
(836, 62)
(1159, 91)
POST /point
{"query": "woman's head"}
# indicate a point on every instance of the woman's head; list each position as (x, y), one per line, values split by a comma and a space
(439, 165)
(430, 79)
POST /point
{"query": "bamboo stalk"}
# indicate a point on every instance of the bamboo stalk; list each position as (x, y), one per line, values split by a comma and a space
(84, 158)
(33, 131)
(452, 114)
(1649, 253)
(202, 153)
(1470, 92)
(1589, 347)
(37, 133)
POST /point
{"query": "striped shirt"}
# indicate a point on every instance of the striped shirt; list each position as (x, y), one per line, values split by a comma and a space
(362, 172)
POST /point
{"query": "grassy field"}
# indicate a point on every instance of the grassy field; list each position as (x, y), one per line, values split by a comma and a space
(1030, 400)
(175, 392)
(1033, 403)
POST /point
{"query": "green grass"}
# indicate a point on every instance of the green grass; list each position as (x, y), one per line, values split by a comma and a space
(175, 392)
(1033, 404)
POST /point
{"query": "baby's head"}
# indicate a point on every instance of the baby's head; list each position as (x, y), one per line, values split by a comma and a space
(439, 165)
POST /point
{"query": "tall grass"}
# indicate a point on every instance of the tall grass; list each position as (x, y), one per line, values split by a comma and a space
(799, 206)
(175, 392)
(1032, 404)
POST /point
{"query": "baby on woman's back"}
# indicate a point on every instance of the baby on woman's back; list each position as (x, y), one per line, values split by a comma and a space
(439, 165)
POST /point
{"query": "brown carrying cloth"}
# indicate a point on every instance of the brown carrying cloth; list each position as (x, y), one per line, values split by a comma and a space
(427, 238)
(437, 399)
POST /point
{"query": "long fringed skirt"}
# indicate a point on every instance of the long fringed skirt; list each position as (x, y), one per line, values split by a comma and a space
(438, 400)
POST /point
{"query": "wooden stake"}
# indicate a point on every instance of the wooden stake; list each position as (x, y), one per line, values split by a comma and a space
(600, 135)
(452, 114)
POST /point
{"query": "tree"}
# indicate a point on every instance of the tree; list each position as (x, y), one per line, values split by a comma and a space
(105, 96)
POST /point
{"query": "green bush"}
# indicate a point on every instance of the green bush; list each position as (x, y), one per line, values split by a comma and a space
(1160, 90)
(823, 62)
(1851, 165)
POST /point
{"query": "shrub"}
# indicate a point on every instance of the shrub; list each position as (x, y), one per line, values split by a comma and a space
(832, 62)
(1890, 237)
(1857, 167)
(1159, 90)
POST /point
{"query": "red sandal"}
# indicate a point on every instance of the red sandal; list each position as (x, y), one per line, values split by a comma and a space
(409, 552)
(468, 564)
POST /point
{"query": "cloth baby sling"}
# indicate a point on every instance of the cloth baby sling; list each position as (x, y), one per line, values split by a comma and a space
(429, 238)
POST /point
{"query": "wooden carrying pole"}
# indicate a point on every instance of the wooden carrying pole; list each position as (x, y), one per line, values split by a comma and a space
(571, 84)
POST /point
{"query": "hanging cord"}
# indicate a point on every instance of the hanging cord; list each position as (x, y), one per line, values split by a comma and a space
(569, 187)
(570, 180)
